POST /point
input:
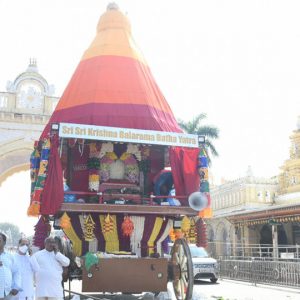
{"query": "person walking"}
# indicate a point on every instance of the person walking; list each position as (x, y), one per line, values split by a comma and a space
(49, 275)
(10, 279)
(28, 266)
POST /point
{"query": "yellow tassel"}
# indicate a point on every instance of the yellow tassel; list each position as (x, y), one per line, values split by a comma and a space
(65, 222)
(185, 224)
(34, 209)
(107, 219)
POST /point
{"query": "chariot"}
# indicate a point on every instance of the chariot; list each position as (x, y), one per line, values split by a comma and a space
(115, 172)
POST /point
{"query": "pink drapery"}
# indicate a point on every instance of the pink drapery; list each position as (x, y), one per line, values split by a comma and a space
(53, 194)
(184, 169)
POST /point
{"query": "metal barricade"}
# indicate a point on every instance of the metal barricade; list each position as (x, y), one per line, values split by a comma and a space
(279, 272)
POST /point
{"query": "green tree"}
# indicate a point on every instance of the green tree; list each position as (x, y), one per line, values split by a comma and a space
(12, 233)
(210, 132)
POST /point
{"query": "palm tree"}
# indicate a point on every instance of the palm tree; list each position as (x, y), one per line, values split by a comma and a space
(210, 133)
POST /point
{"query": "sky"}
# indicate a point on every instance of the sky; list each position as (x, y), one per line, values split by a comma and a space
(237, 61)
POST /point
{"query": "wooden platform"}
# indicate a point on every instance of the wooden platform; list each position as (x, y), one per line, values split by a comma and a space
(127, 275)
(129, 209)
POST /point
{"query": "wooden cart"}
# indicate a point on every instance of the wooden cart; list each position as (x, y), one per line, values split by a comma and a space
(140, 274)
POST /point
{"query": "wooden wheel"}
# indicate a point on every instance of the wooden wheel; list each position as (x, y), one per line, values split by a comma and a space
(182, 270)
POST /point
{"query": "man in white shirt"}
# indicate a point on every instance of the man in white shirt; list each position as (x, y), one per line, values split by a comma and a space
(10, 279)
(49, 275)
(28, 266)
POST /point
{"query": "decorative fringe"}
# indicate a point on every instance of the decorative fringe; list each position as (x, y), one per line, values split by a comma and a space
(137, 234)
(155, 231)
(162, 242)
(76, 242)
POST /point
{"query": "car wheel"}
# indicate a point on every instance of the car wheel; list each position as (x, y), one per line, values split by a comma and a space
(214, 280)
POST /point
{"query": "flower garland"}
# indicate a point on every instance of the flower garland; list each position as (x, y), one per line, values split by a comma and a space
(41, 231)
(131, 166)
(93, 165)
(135, 150)
(106, 148)
(105, 163)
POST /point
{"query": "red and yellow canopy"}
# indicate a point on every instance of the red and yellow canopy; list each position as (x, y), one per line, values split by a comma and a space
(113, 85)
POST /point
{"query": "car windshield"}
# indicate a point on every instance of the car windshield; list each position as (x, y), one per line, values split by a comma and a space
(198, 251)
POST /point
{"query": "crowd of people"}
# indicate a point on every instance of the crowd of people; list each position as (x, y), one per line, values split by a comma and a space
(27, 276)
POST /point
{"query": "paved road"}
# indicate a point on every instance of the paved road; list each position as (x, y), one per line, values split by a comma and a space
(224, 289)
(237, 290)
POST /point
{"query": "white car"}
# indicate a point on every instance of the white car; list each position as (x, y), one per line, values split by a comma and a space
(205, 267)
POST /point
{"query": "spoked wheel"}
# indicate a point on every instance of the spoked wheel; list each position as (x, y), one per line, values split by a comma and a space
(181, 270)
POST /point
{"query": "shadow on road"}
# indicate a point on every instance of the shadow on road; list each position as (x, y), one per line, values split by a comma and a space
(204, 282)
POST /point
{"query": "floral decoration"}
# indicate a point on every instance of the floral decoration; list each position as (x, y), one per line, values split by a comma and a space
(127, 226)
(93, 165)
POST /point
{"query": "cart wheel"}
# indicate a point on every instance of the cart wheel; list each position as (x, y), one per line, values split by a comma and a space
(183, 274)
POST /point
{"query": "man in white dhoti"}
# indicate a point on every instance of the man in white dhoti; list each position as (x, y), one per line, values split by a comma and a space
(49, 276)
(28, 266)
(10, 279)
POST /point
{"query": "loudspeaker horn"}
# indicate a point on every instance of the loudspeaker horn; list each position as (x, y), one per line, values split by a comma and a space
(198, 201)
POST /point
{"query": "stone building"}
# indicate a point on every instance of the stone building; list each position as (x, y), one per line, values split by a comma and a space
(25, 108)
(252, 212)
(245, 194)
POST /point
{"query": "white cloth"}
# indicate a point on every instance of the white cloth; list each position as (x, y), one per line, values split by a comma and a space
(27, 266)
(49, 276)
(9, 274)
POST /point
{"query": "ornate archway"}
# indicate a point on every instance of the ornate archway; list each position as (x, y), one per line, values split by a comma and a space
(13, 162)
(24, 110)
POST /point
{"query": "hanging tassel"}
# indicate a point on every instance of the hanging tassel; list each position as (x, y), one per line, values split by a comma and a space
(185, 225)
(34, 209)
(192, 231)
(108, 224)
(65, 221)
(201, 240)
(127, 226)
(41, 231)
